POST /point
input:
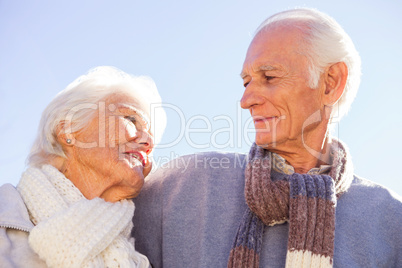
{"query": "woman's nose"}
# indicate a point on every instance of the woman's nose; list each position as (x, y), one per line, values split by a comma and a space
(137, 136)
(145, 140)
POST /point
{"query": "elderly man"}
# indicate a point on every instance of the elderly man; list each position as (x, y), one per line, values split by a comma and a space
(296, 202)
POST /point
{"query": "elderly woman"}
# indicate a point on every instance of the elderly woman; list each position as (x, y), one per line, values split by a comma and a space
(72, 206)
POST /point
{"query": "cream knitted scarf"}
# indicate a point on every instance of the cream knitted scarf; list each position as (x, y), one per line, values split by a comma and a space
(72, 231)
(307, 202)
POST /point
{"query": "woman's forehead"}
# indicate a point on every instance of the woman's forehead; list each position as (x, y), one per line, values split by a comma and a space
(126, 102)
(130, 109)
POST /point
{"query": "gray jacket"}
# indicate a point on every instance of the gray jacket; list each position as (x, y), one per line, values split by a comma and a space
(189, 211)
(14, 230)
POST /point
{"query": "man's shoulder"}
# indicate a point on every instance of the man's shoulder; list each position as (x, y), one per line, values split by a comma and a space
(375, 191)
(196, 173)
(207, 160)
(200, 164)
(369, 215)
(372, 198)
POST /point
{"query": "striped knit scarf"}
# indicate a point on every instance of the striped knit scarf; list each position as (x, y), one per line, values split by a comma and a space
(307, 202)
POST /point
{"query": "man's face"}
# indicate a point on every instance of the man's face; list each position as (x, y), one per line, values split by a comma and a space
(275, 76)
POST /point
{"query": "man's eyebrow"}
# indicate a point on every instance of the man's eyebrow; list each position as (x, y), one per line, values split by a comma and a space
(243, 74)
(268, 68)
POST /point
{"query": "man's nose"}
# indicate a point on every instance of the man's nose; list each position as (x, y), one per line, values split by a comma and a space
(251, 96)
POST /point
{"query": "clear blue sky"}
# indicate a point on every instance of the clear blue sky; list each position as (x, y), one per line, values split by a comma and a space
(194, 51)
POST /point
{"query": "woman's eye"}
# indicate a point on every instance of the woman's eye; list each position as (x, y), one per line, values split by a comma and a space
(131, 119)
(138, 121)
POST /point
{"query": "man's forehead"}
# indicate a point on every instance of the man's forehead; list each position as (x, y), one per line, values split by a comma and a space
(280, 35)
(270, 46)
(263, 67)
(283, 27)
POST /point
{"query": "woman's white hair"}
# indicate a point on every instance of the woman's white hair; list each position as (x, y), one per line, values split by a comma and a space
(325, 43)
(78, 104)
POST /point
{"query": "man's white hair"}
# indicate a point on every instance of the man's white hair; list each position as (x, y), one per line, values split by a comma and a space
(325, 43)
(78, 104)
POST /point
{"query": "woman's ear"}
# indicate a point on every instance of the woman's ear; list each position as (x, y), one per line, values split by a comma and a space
(335, 82)
(65, 137)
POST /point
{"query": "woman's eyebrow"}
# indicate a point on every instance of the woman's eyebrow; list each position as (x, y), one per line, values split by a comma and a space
(126, 106)
(133, 110)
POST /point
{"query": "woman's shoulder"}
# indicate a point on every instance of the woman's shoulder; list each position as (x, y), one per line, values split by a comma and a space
(14, 230)
(13, 212)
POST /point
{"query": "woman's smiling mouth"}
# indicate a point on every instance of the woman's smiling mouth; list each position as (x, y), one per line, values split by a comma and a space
(137, 155)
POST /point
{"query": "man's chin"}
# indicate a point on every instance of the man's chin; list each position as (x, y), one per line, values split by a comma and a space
(265, 143)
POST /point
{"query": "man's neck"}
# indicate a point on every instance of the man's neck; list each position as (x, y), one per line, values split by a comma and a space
(307, 154)
(304, 162)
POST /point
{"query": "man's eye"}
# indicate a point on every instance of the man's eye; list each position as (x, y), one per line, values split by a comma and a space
(269, 78)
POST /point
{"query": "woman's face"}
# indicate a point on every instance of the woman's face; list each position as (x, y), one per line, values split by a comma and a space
(110, 157)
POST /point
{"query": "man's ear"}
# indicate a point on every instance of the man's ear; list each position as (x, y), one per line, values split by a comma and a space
(335, 81)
